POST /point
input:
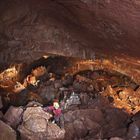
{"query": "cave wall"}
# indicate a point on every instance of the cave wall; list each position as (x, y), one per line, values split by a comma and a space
(88, 29)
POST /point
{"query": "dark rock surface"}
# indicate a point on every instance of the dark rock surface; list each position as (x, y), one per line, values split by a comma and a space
(6, 132)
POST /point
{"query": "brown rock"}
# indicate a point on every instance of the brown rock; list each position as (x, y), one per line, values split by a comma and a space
(13, 116)
(58, 84)
(70, 132)
(80, 128)
(6, 132)
(92, 127)
(84, 98)
(119, 132)
(1, 115)
(116, 118)
(116, 123)
(54, 132)
(35, 126)
(48, 92)
(116, 138)
(1, 105)
(134, 130)
(93, 114)
(35, 119)
(136, 116)
(39, 71)
(68, 80)
(69, 116)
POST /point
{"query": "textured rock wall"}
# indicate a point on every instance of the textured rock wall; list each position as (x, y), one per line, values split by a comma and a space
(30, 29)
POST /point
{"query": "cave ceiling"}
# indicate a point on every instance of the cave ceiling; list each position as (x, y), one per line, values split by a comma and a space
(87, 29)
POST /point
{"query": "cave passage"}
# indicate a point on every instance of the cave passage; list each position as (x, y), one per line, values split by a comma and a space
(75, 87)
(69, 70)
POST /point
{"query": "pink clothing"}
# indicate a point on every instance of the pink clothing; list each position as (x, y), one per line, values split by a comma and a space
(57, 112)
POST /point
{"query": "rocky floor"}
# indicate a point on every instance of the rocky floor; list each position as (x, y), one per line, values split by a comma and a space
(96, 105)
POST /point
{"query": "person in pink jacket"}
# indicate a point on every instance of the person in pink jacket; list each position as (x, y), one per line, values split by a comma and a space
(56, 111)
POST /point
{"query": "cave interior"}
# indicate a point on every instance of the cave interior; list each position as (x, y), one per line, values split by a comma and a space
(83, 55)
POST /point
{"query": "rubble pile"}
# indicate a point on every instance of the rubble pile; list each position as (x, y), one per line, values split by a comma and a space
(124, 98)
(95, 105)
(36, 126)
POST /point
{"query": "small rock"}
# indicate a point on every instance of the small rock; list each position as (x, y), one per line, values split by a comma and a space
(13, 116)
(6, 132)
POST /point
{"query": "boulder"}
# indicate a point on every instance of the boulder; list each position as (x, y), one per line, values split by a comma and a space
(116, 118)
(116, 123)
(83, 123)
(70, 132)
(80, 128)
(6, 132)
(92, 127)
(36, 126)
(54, 132)
(13, 116)
(92, 114)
